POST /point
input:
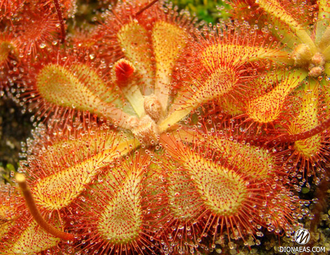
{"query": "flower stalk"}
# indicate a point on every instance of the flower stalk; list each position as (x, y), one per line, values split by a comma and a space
(31, 204)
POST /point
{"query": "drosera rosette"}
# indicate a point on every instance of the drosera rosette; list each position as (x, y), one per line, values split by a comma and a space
(45, 25)
(121, 212)
(40, 34)
(19, 41)
(131, 142)
(234, 200)
(305, 39)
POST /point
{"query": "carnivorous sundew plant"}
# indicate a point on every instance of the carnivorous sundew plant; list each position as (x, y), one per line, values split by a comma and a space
(156, 133)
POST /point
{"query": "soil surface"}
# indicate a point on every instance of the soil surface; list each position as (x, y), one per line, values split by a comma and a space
(15, 127)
